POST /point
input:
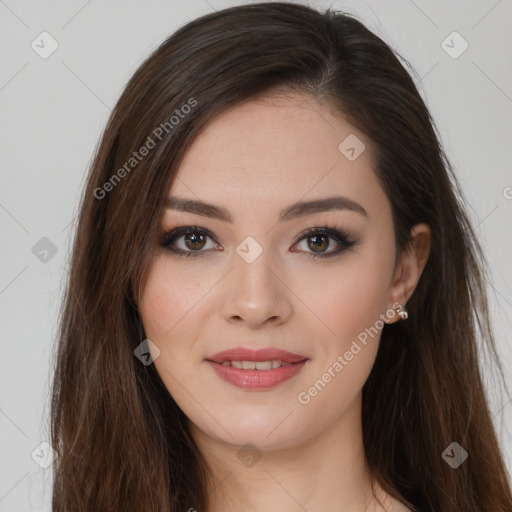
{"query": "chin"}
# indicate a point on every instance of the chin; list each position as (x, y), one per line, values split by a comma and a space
(268, 432)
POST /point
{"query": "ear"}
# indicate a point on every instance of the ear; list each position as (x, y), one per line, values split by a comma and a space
(410, 267)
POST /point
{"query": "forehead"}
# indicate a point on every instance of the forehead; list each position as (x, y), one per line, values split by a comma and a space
(275, 150)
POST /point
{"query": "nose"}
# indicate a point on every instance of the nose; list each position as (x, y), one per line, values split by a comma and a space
(256, 294)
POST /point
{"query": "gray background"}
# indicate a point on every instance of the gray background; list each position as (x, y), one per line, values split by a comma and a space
(53, 111)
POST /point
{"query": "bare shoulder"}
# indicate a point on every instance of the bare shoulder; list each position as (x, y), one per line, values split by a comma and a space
(399, 507)
(393, 505)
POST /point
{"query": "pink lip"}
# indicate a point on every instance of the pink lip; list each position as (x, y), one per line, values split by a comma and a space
(256, 379)
(263, 354)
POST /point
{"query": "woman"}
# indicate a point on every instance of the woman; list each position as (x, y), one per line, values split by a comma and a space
(275, 293)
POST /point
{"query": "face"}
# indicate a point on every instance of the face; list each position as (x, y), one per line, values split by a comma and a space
(316, 283)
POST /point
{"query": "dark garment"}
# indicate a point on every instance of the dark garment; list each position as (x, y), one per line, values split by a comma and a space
(420, 504)
(421, 509)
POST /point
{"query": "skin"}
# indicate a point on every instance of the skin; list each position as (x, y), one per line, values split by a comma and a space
(255, 159)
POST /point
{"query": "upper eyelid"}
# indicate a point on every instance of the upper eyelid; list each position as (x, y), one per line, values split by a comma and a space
(190, 227)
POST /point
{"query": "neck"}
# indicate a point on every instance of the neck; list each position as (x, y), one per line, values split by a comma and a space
(326, 472)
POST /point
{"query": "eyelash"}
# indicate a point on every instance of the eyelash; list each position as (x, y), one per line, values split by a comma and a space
(340, 237)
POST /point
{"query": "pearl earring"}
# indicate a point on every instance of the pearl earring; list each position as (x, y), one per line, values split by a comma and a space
(402, 312)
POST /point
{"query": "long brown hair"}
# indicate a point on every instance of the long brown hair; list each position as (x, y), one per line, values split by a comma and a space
(123, 444)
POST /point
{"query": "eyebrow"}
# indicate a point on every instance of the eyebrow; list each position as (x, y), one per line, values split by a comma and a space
(299, 209)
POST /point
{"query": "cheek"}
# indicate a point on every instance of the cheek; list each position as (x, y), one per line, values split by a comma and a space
(168, 297)
(170, 306)
(351, 307)
(351, 304)
(350, 298)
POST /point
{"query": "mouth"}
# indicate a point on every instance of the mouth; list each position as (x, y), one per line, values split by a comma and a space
(248, 356)
(256, 369)
(257, 365)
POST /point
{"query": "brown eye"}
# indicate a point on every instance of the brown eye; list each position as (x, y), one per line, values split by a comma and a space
(317, 240)
(318, 243)
(194, 241)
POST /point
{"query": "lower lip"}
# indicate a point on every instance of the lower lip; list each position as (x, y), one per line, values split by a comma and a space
(256, 379)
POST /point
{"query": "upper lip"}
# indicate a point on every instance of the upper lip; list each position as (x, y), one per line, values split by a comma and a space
(262, 354)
